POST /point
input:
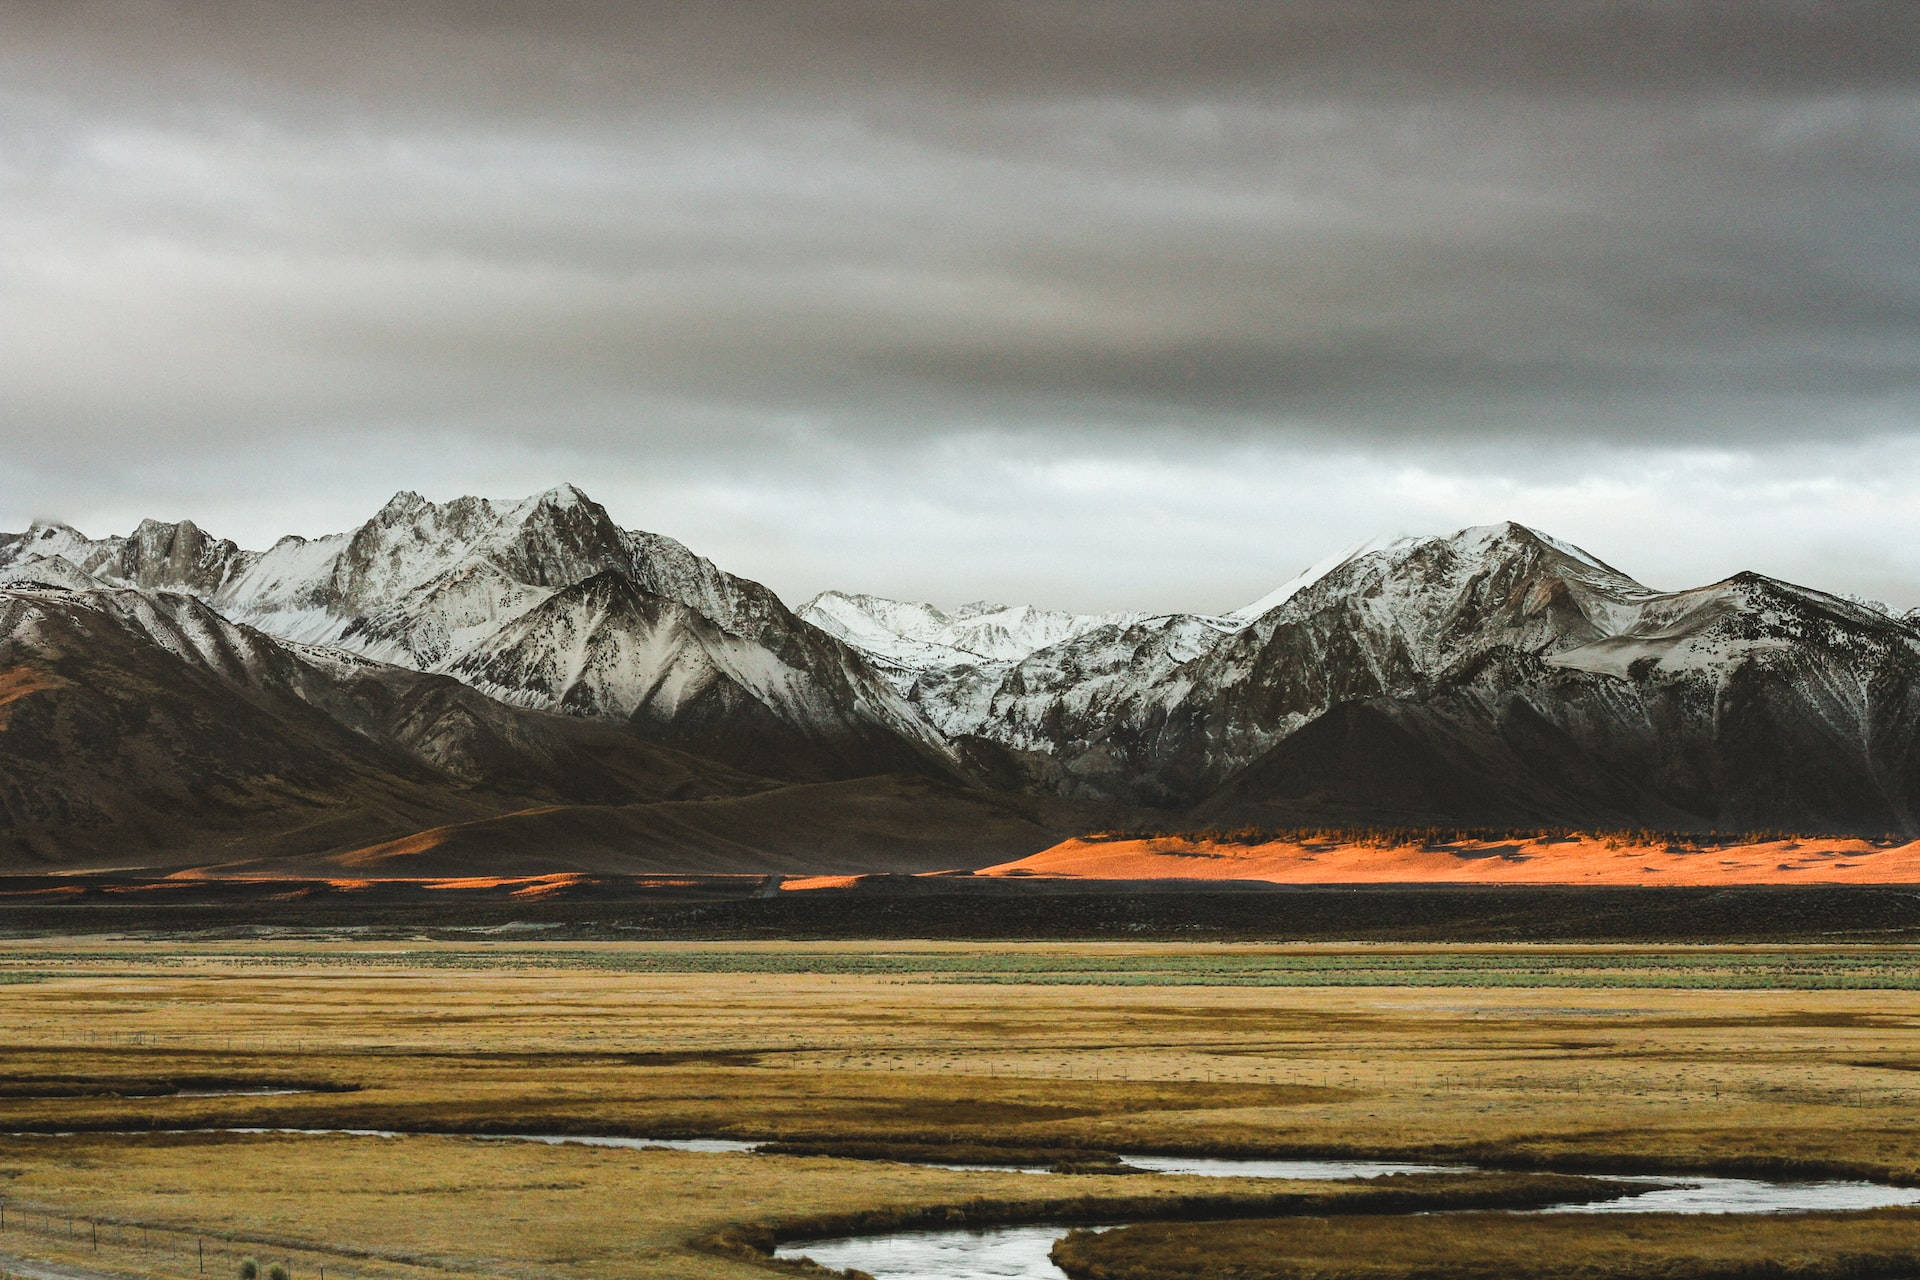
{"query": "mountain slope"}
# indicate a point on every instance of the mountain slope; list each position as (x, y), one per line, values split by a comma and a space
(1496, 676)
(1166, 709)
(1555, 690)
(1384, 624)
(446, 588)
(1015, 679)
(144, 729)
(854, 826)
(1798, 738)
(1059, 700)
(136, 724)
(604, 647)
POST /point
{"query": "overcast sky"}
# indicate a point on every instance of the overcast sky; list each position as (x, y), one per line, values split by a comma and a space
(1120, 303)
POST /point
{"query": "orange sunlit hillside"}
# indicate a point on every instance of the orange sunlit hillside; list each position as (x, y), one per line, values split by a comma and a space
(1574, 859)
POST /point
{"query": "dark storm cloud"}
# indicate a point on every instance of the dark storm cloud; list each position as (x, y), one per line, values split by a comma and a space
(778, 236)
(537, 55)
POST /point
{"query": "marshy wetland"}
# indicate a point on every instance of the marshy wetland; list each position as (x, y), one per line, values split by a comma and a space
(870, 1065)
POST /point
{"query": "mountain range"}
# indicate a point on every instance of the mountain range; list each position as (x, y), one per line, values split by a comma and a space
(480, 686)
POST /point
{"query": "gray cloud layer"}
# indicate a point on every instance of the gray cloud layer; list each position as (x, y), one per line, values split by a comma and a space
(1365, 265)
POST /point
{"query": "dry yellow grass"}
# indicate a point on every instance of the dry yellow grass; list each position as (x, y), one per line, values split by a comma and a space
(405, 1207)
(1482, 1246)
(1611, 1077)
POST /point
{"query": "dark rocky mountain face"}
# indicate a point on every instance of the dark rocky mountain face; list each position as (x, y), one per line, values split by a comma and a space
(449, 665)
(1494, 677)
(147, 725)
(1531, 690)
(1766, 744)
(1392, 624)
(606, 647)
(514, 597)
(144, 729)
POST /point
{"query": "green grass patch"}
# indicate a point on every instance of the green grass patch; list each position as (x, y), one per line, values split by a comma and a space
(1517, 968)
(1784, 969)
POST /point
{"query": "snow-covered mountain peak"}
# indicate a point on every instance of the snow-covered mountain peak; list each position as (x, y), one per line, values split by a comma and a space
(1488, 541)
(1505, 567)
(49, 538)
(850, 613)
(48, 573)
(1385, 618)
(901, 637)
(1510, 537)
(403, 505)
(1311, 574)
(564, 496)
(42, 529)
(1746, 618)
(315, 591)
(1476, 546)
(541, 600)
(906, 634)
(546, 540)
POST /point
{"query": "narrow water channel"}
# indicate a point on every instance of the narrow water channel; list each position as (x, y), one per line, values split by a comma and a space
(1021, 1253)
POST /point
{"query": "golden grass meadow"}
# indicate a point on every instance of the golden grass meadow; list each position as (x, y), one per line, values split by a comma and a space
(1749, 1065)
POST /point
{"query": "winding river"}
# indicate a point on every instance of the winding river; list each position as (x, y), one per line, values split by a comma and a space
(1021, 1253)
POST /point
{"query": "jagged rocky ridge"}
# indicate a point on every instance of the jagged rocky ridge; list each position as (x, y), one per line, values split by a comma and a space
(543, 603)
(127, 716)
(905, 637)
(1494, 676)
(143, 729)
(1502, 675)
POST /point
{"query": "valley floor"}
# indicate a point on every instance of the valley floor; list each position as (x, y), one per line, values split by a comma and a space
(958, 908)
(1739, 1058)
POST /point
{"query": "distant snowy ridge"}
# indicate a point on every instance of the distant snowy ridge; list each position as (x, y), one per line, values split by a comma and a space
(912, 636)
(1494, 674)
(921, 636)
(1483, 622)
